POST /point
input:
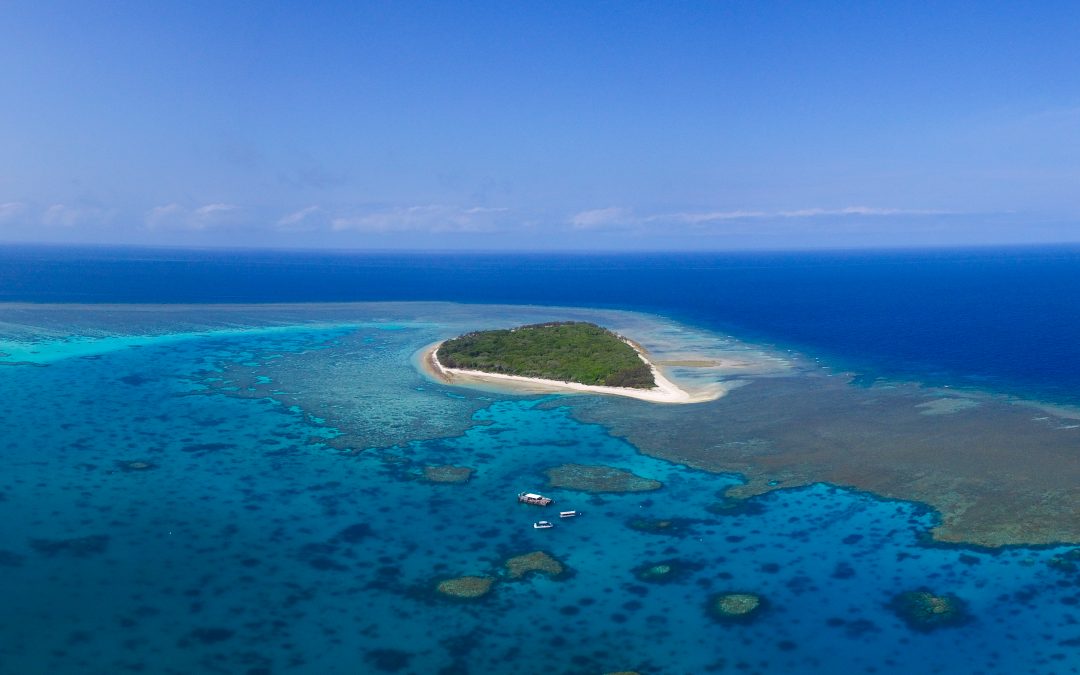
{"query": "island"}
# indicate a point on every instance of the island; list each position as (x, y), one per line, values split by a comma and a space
(560, 356)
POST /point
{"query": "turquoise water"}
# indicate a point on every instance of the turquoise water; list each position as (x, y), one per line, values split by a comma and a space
(253, 542)
(1001, 318)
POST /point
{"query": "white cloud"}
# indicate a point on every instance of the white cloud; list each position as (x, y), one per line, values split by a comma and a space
(432, 218)
(707, 216)
(212, 210)
(64, 215)
(176, 217)
(303, 220)
(621, 217)
(10, 211)
(160, 215)
(597, 218)
(860, 211)
(799, 213)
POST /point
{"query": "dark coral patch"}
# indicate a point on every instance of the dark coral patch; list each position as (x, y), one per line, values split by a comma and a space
(729, 506)
(135, 465)
(843, 570)
(318, 556)
(11, 559)
(354, 533)
(447, 473)
(597, 478)
(79, 547)
(664, 571)
(388, 660)
(1066, 563)
(676, 527)
(924, 611)
(209, 636)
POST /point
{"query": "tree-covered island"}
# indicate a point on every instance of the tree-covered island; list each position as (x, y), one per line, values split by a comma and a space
(572, 351)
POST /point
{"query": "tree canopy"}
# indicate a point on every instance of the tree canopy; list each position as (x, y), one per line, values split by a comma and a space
(572, 351)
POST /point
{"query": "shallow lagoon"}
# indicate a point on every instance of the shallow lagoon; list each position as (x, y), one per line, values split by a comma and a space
(252, 501)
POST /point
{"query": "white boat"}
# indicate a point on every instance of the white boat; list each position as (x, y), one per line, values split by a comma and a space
(542, 525)
(533, 498)
(569, 514)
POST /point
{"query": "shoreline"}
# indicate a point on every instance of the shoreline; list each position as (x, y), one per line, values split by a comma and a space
(665, 390)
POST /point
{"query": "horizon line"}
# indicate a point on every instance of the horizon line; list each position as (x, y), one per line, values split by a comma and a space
(535, 251)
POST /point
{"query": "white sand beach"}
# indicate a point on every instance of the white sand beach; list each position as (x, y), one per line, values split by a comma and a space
(665, 390)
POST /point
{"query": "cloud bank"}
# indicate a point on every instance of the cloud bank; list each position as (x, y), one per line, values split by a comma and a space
(618, 217)
(433, 218)
(177, 217)
(594, 218)
(443, 225)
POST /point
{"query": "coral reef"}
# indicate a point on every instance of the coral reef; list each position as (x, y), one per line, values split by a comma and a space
(465, 588)
(925, 611)
(586, 478)
(732, 506)
(735, 607)
(676, 527)
(447, 473)
(135, 465)
(537, 562)
(664, 571)
(1066, 563)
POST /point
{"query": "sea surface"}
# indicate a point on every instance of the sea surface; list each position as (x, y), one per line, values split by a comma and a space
(1001, 318)
(188, 486)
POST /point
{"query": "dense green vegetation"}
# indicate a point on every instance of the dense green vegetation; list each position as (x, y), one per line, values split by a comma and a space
(565, 351)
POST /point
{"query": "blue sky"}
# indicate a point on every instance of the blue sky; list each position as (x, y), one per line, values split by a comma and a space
(584, 125)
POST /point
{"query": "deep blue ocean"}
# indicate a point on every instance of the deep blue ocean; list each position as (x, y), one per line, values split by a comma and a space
(1006, 319)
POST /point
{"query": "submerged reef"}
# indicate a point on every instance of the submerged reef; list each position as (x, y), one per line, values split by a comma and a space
(209, 635)
(676, 527)
(318, 380)
(664, 571)
(135, 465)
(735, 607)
(79, 547)
(465, 588)
(388, 660)
(11, 558)
(598, 478)
(999, 473)
(1066, 563)
(537, 562)
(447, 474)
(925, 611)
(731, 506)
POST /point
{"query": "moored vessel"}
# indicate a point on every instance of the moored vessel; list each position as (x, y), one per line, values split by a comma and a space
(533, 498)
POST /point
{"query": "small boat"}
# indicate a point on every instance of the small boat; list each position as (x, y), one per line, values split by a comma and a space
(533, 498)
(569, 514)
(542, 525)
